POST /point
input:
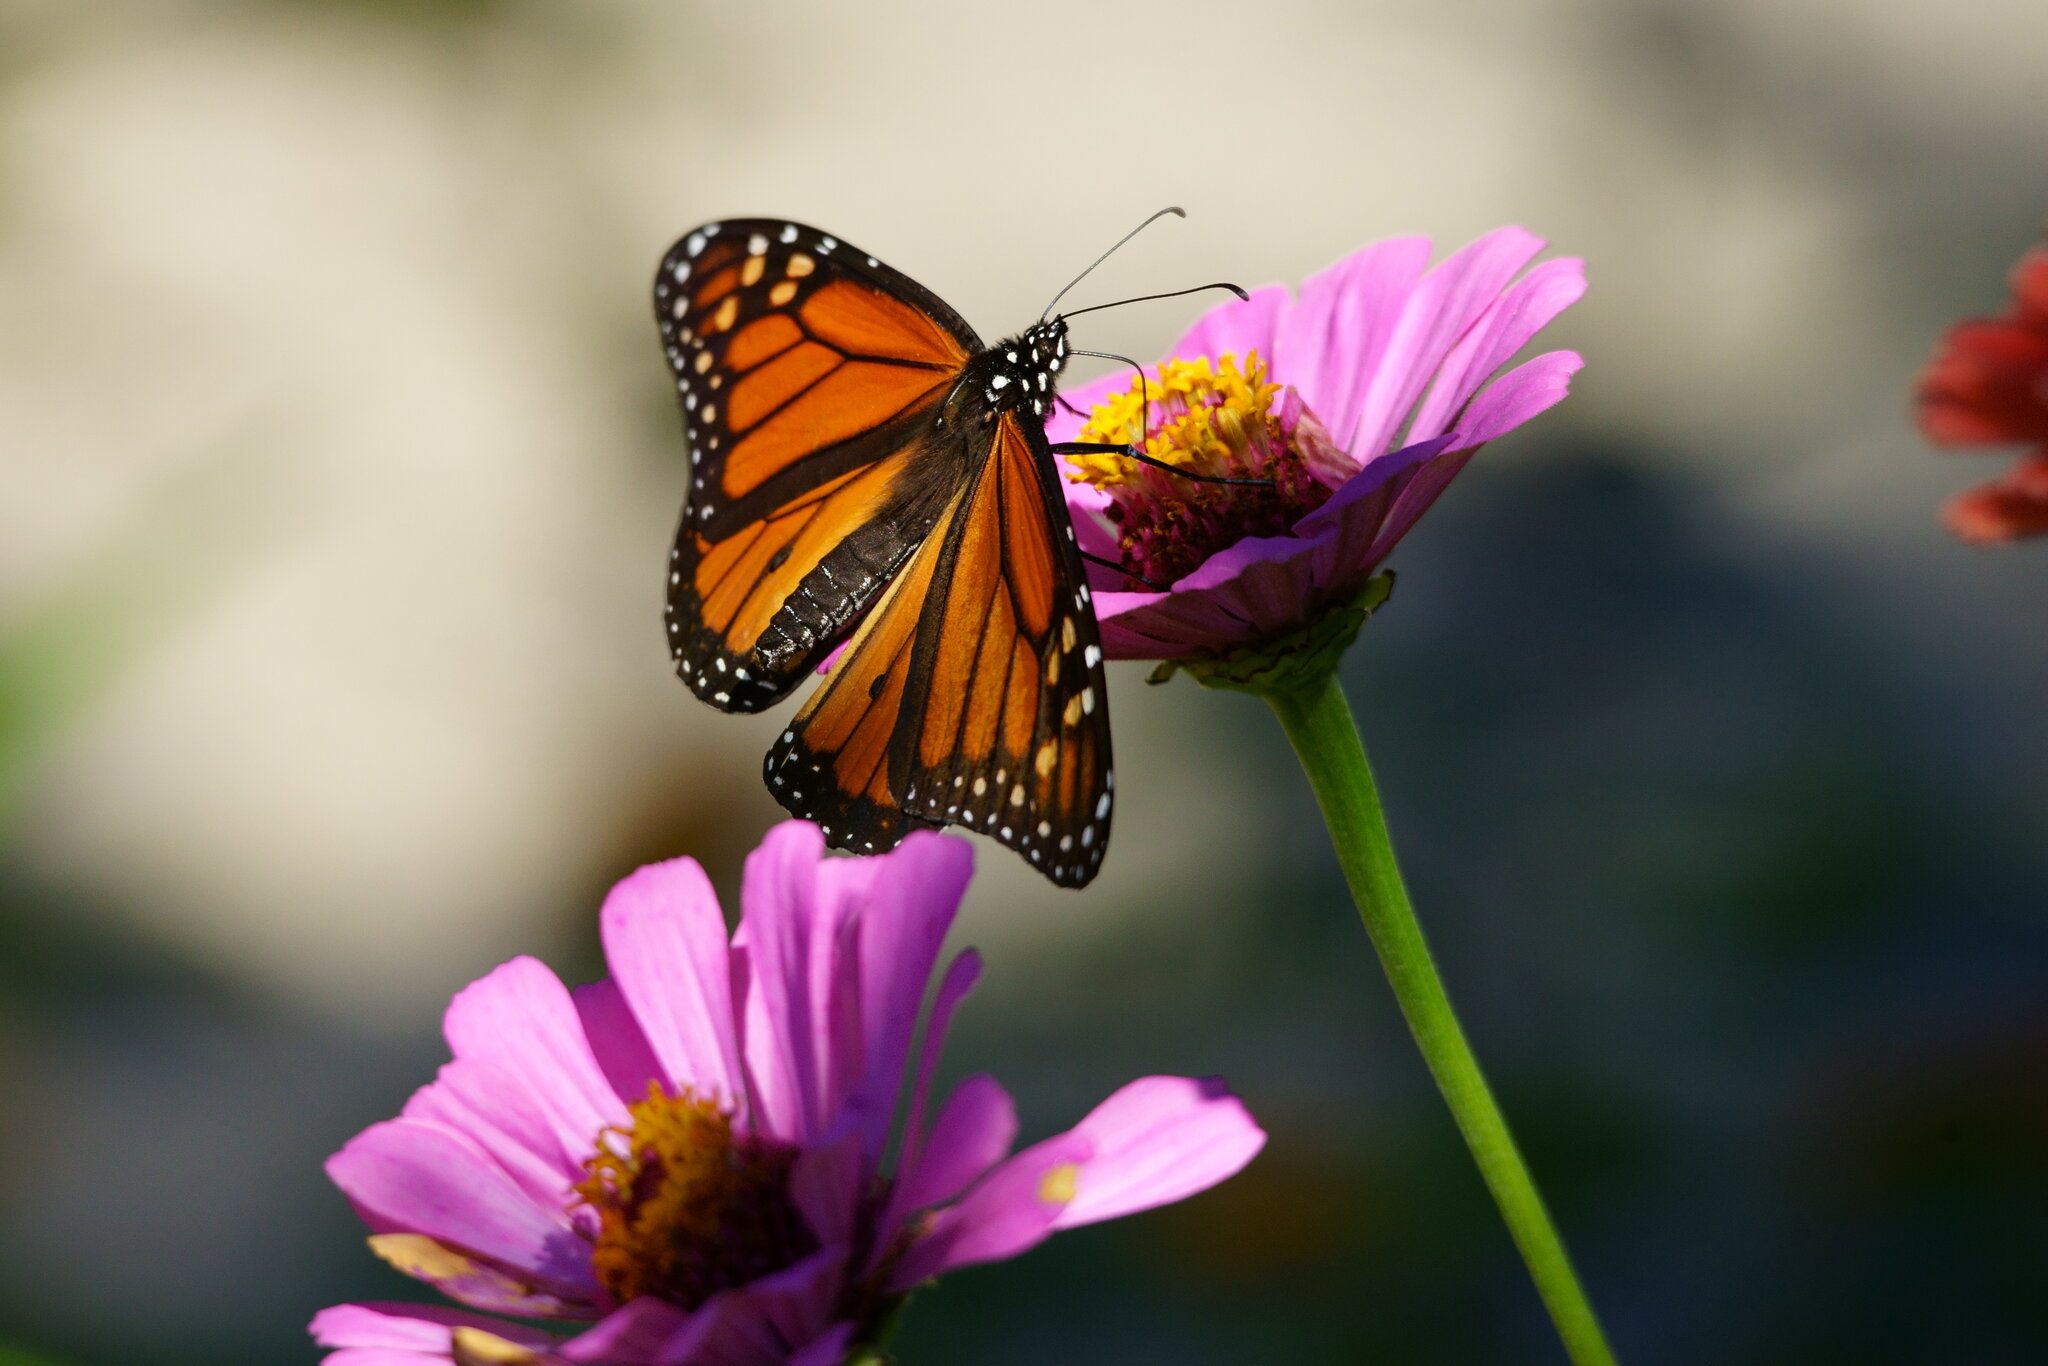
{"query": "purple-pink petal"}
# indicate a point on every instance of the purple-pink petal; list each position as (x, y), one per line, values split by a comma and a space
(499, 1111)
(1506, 327)
(1258, 588)
(1435, 316)
(827, 1349)
(783, 1016)
(1012, 1209)
(412, 1176)
(1334, 342)
(1237, 327)
(407, 1334)
(638, 1332)
(909, 907)
(974, 1131)
(1360, 524)
(761, 1324)
(522, 1018)
(825, 1183)
(616, 1039)
(961, 975)
(1517, 396)
(665, 941)
(1158, 1140)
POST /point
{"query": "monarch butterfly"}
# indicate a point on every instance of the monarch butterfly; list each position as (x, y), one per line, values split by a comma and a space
(863, 469)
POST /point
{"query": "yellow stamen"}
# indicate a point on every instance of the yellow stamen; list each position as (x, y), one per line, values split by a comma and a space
(475, 1347)
(1262, 458)
(421, 1257)
(1205, 416)
(686, 1206)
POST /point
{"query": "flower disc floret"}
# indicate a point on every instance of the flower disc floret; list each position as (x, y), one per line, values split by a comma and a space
(1213, 418)
(686, 1205)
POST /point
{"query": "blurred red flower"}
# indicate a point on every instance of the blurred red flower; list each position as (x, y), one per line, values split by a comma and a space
(1987, 386)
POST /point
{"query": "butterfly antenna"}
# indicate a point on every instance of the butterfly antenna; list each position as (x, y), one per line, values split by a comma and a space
(1238, 290)
(1144, 390)
(1173, 209)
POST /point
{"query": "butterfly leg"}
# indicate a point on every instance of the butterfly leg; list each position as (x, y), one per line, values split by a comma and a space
(1112, 564)
(1133, 453)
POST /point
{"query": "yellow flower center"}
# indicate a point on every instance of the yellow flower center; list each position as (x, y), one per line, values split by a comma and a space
(686, 1206)
(1205, 418)
(1217, 418)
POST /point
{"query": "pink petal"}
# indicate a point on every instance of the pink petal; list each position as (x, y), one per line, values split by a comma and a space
(499, 1111)
(616, 1039)
(826, 1182)
(664, 938)
(1013, 1209)
(1259, 587)
(1507, 326)
(760, 1324)
(974, 1131)
(1517, 396)
(828, 1349)
(1158, 1140)
(1174, 625)
(1436, 316)
(522, 1018)
(410, 1176)
(1237, 327)
(640, 1331)
(409, 1332)
(961, 975)
(1415, 497)
(908, 909)
(796, 1303)
(780, 1024)
(1364, 520)
(1332, 345)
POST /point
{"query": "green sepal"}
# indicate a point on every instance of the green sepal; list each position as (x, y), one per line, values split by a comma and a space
(1290, 662)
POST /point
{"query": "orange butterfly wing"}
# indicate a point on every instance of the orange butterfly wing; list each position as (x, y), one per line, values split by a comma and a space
(809, 374)
(974, 695)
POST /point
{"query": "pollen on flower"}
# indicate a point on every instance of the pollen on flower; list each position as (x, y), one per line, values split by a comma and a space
(1058, 1186)
(474, 1347)
(687, 1205)
(1221, 419)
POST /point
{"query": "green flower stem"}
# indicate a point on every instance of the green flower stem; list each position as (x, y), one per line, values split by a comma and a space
(1319, 725)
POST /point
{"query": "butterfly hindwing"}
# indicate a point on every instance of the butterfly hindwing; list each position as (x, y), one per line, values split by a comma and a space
(1007, 715)
(832, 765)
(974, 695)
(808, 373)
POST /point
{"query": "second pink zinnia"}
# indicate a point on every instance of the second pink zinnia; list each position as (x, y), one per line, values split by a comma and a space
(691, 1153)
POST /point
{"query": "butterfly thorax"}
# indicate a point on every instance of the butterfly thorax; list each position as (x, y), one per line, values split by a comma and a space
(1015, 375)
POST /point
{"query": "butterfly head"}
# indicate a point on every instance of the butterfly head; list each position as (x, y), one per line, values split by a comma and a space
(1020, 374)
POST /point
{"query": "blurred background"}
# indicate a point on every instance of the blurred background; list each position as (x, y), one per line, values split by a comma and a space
(337, 473)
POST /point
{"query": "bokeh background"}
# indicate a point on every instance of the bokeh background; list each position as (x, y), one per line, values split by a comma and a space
(339, 470)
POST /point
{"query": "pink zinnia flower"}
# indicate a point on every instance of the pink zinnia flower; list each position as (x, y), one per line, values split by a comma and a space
(690, 1154)
(1360, 400)
(1988, 386)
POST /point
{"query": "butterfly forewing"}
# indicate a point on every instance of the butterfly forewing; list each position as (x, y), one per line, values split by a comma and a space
(808, 374)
